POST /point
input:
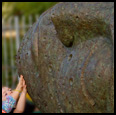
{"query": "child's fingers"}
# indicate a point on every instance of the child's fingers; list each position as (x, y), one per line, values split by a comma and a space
(21, 76)
(25, 86)
(21, 79)
(23, 82)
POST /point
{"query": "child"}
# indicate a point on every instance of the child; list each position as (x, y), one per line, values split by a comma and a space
(11, 99)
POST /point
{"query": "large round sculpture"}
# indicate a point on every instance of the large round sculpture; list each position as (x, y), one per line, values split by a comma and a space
(66, 58)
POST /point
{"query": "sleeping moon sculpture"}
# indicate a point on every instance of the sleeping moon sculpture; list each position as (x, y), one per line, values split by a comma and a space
(66, 58)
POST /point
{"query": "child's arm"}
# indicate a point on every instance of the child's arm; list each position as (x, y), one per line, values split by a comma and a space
(22, 101)
(11, 99)
(18, 89)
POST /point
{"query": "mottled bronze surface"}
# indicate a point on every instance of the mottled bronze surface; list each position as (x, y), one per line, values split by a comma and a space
(67, 58)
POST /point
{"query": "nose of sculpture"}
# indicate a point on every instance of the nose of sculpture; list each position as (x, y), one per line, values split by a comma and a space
(72, 31)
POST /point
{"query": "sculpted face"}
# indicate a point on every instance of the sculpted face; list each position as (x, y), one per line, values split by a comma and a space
(66, 58)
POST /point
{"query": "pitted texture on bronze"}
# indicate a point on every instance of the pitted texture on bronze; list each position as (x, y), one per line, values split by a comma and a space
(67, 58)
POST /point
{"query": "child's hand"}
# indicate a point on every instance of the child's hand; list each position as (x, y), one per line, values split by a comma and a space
(20, 84)
(22, 100)
(24, 87)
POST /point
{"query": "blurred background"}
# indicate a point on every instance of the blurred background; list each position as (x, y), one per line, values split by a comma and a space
(17, 18)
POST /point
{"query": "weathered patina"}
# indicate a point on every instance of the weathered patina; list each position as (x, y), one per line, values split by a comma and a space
(66, 58)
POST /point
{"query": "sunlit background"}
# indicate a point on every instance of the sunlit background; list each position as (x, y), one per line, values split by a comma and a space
(17, 18)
